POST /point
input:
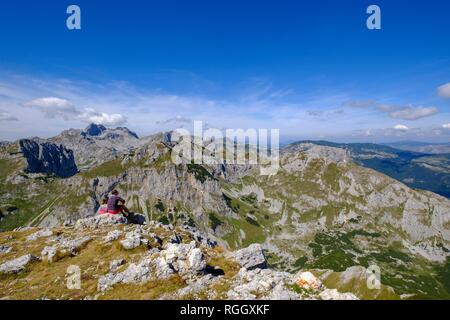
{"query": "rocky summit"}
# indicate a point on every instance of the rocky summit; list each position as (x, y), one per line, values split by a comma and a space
(324, 226)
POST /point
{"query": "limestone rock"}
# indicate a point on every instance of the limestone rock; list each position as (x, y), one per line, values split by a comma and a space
(49, 253)
(5, 249)
(307, 280)
(261, 284)
(135, 273)
(113, 235)
(115, 264)
(40, 234)
(17, 265)
(333, 294)
(64, 247)
(132, 240)
(251, 257)
(100, 220)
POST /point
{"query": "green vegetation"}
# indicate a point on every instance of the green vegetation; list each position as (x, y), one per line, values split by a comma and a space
(331, 176)
(252, 199)
(200, 173)
(160, 206)
(164, 220)
(106, 169)
(300, 262)
(233, 204)
(160, 163)
(252, 221)
(405, 273)
(214, 221)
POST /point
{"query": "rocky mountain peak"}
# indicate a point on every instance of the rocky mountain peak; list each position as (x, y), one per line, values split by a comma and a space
(94, 129)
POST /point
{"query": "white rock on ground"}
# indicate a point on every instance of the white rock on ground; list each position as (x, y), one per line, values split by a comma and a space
(132, 240)
(135, 273)
(262, 284)
(186, 259)
(333, 294)
(115, 264)
(40, 234)
(5, 249)
(64, 247)
(17, 265)
(307, 280)
(100, 220)
(200, 285)
(49, 253)
(113, 235)
(251, 257)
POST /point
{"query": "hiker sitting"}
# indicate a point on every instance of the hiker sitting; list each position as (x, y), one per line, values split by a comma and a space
(104, 206)
(116, 204)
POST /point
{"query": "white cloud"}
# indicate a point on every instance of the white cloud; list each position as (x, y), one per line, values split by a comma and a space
(149, 110)
(359, 103)
(177, 120)
(444, 91)
(401, 127)
(446, 126)
(92, 116)
(53, 107)
(6, 116)
(407, 112)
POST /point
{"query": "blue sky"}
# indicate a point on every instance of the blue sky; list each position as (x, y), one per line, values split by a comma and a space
(309, 68)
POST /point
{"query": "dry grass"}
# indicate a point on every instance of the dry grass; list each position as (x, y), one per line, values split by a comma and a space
(45, 280)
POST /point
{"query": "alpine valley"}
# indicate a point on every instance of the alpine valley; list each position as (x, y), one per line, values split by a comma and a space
(332, 210)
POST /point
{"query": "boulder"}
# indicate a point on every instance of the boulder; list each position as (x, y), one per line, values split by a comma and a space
(17, 265)
(113, 235)
(49, 253)
(251, 257)
(132, 240)
(162, 269)
(5, 249)
(40, 234)
(115, 264)
(185, 259)
(333, 294)
(196, 260)
(261, 284)
(100, 220)
(64, 247)
(135, 273)
(75, 245)
(307, 280)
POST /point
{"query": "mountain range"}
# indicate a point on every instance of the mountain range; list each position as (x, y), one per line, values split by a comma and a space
(331, 208)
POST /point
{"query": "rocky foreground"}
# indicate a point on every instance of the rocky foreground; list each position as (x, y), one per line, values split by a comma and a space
(102, 257)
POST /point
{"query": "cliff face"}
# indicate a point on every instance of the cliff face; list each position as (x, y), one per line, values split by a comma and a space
(49, 158)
